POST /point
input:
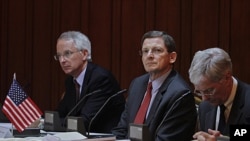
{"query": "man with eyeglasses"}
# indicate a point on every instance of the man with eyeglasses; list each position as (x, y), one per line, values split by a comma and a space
(73, 51)
(225, 99)
(167, 106)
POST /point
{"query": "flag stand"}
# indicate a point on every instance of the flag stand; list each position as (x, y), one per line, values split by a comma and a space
(28, 132)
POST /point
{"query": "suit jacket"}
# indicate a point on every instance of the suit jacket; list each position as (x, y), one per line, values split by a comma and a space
(95, 78)
(239, 111)
(172, 116)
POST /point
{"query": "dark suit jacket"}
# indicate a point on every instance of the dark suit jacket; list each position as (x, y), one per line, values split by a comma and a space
(240, 111)
(95, 78)
(170, 118)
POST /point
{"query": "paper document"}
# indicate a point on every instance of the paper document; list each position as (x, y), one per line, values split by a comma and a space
(70, 136)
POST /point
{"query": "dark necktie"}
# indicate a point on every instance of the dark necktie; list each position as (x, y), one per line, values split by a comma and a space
(141, 114)
(222, 122)
(77, 87)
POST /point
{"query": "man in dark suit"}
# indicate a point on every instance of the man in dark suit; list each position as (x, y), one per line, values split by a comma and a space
(171, 115)
(74, 55)
(211, 74)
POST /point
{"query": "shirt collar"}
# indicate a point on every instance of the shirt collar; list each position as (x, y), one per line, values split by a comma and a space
(156, 84)
(80, 78)
(233, 92)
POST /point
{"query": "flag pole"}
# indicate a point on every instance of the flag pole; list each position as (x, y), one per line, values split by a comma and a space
(14, 76)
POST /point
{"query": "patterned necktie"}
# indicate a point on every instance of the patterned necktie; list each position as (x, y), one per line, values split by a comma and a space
(222, 122)
(77, 87)
(141, 114)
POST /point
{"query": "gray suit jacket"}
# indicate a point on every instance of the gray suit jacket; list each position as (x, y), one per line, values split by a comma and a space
(172, 116)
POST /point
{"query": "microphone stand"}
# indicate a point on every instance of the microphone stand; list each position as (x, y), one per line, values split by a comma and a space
(81, 100)
(170, 110)
(105, 103)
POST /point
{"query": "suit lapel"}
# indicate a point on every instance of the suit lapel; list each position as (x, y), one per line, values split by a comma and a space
(159, 96)
(210, 119)
(236, 110)
(87, 77)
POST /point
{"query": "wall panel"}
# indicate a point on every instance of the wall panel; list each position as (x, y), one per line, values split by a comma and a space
(4, 84)
(205, 24)
(239, 39)
(116, 66)
(29, 30)
(17, 51)
(42, 59)
(184, 40)
(132, 28)
(100, 30)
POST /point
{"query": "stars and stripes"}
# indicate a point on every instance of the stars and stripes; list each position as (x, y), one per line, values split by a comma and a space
(19, 108)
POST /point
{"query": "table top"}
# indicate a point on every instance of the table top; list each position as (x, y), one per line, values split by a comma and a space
(6, 135)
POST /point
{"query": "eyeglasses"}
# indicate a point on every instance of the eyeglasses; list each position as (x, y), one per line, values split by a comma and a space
(66, 55)
(207, 92)
(154, 51)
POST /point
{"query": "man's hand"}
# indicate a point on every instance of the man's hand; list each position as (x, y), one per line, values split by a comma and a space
(204, 136)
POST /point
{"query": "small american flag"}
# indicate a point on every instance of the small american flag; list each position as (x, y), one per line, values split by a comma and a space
(19, 108)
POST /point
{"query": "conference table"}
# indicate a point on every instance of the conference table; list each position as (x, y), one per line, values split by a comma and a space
(6, 134)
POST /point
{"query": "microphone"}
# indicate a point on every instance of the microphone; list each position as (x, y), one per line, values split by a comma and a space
(170, 110)
(105, 103)
(78, 103)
